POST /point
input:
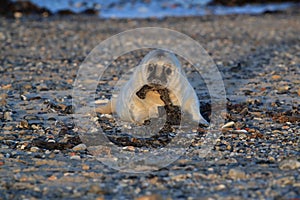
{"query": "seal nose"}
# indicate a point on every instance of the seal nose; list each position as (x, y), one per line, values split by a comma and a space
(156, 81)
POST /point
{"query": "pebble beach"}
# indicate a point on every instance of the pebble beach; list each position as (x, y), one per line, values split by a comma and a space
(257, 156)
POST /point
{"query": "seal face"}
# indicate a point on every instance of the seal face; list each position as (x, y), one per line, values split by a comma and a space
(160, 67)
(158, 74)
(158, 70)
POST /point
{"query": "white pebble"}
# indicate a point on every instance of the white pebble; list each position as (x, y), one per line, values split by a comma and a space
(227, 125)
(240, 131)
(34, 149)
(75, 157)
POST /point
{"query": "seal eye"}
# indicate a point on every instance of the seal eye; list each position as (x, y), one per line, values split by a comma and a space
(150, 67)
(168, 71)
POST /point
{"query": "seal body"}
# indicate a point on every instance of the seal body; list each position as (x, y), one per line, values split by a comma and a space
(158, 69)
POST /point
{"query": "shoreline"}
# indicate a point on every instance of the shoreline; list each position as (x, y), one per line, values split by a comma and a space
(29, 9)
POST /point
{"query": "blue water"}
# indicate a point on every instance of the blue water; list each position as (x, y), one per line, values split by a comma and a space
(155, 8)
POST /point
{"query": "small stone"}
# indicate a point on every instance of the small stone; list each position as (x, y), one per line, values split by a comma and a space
(52, 178)
(283, 89)
(227, 125)
(236, 174)
(18, 15)
(181, 177)
(23, 97)
(23, 146)
(6, 87)
(27, 87)
(8, 128)
(240, 131)
(298, 92)
(150, 197)
(129, 148)
(7, 116)
(42, 87)
(35, 127)
(289, 164)
(52, 155)
(276, 131)
(210, 169)
(97, 189)
(75, 157)
(226, 161)
(85, 167)
(270, 158)
(79, 147)
(56, 151)
(34, 149)
(296, 185)
(69, 81)
(289, 180)
(220, 187)
(72, 154)
(62, 106)
(2, 36)
(276, 77)
(242, 136)
(3, 101)
(48, 151)
(24, 124)
(244, 111)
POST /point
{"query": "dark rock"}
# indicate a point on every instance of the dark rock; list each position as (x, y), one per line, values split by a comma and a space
(43, 144)
(8, 8)
(90, 11)
(244, 2)
(65, 12)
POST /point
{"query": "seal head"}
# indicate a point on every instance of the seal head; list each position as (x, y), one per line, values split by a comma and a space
(159, 67)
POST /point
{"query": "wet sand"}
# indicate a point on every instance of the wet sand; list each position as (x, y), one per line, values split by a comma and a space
(41, 155)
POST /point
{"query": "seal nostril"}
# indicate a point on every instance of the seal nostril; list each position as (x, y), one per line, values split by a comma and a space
(155, 81)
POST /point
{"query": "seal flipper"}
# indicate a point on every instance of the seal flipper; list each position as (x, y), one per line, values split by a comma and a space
(108, 108)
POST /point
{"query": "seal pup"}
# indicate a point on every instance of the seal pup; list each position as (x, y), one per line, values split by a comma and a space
(159, 69)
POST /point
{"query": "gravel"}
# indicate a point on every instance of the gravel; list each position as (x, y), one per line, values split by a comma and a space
(256, 157)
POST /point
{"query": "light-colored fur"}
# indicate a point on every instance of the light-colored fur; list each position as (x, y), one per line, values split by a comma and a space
(167, 72)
